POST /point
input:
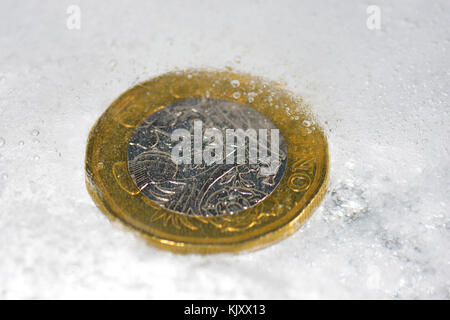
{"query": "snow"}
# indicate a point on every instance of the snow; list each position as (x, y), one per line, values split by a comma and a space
(382, 230)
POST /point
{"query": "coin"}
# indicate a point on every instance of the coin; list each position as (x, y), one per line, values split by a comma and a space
(166, 160)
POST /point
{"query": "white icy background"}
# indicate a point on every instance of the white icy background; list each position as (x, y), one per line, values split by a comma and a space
(381, 232)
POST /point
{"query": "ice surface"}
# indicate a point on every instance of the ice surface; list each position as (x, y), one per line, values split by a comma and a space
(383, 96)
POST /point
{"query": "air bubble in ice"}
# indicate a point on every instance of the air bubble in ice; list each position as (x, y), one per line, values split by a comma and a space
(235, 83)
(251, 96)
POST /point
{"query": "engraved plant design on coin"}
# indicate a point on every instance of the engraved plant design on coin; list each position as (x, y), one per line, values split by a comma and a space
(199, 189)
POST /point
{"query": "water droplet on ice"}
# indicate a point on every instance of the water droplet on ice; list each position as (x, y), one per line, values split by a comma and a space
(35, 132)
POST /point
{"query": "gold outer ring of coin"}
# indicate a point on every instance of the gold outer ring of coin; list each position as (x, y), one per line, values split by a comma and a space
(279, 215)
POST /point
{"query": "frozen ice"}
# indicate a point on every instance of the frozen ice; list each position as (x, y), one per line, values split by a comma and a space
(382, 96)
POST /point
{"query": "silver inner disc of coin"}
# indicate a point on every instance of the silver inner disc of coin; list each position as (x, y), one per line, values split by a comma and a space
(202, 189)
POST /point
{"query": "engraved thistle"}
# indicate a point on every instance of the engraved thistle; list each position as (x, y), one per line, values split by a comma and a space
(207, 157)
